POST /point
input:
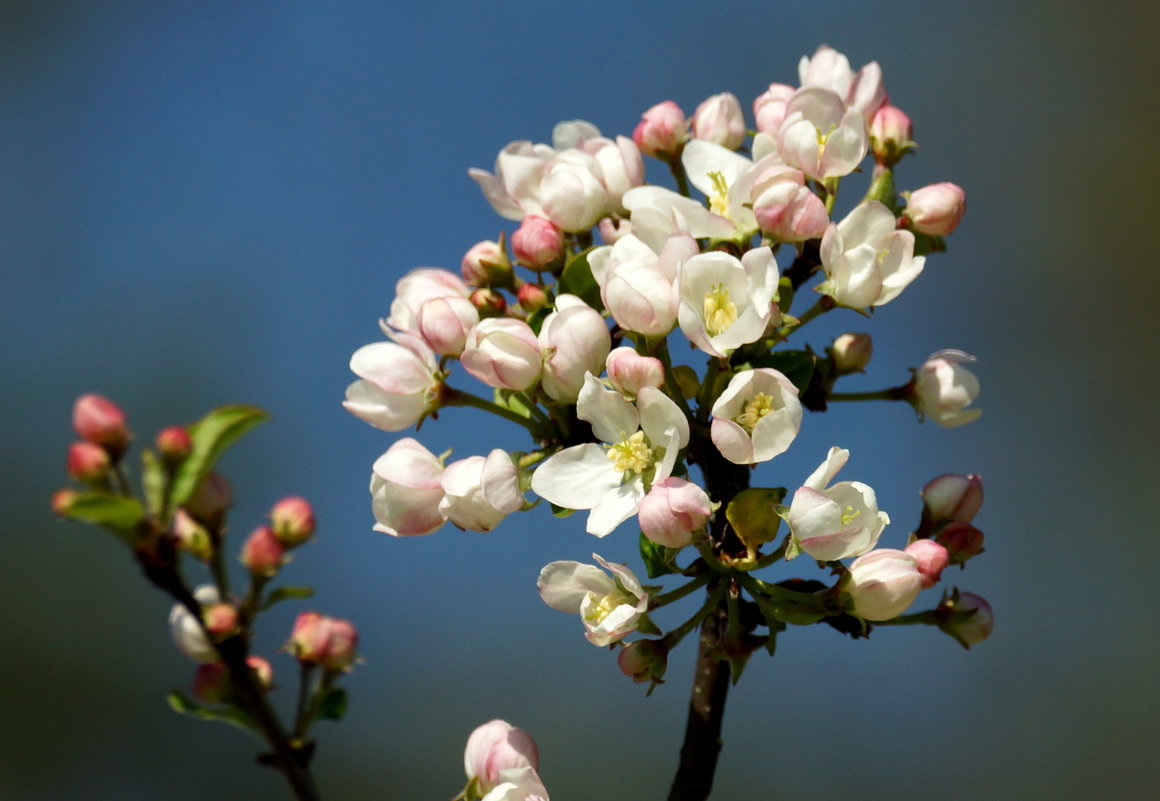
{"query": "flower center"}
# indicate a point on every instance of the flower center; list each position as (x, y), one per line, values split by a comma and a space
(757, 408)
(822, 138)
(720, 313)
(631, 454)
(719, 200)
(603, 607)
(849, 515)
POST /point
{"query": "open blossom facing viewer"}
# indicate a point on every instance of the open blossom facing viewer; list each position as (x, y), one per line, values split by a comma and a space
(868, 262)
(609, 606)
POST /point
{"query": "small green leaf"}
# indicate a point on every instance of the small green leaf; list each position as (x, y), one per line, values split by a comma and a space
(577, 280)
(184, 705)
(112, 511)
(333, 704)
(796, 365)
(786, 611)
(287, 594)
(511, 401)
(211, 436)
(753, 514)
(658, 559)
(153, 482)
(560, 511)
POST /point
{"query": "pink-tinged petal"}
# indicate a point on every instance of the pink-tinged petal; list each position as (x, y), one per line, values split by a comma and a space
(577, 477)
(500, 482)
(775, 432)
(383, 410)
(836, 459)
(564, 585)
(732, 441)
(391, 367)
(701, 158)
(409, 464)
(798, 145)
(404, 512)
(869, 223)
(625, 576)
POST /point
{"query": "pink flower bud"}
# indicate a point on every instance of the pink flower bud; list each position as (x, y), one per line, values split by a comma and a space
(953, 497)
(211, 501)
(292, 520)
(719, 119)
(786, 208)
(444, 323)
(962, 541)
(262, 669)
(488, 302)
(672, 511)
(643, 660)
(325, 641)
(62, 501)
(890, 135)
(612, 230)
(497, 745)
(503, 352)
(630, 372)
(852, 352)
(661, 130)
(191, 536)
(936, 209)
(88, 463)
(538, 243)
(883, 583)
(174, 444)
(262, 554)
(967, 617)
(531, 297)
(100, 421)
(221, 620)
(769, 107)
(932, 559)
(486, 263)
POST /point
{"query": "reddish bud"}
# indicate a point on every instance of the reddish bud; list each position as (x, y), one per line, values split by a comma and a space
(962, 541)
(966, 617)
(62, 501)
(531, 297)
(890, 135)
(264, 672)
(487, 264)
(325, 641)
(87, 463)
(662, 130)
(538, 243)
(211, 501)
(221, 620)
(292, 520)
(100, 421)
(488, 302)
(643, 660)
(932, 560)
(262, 554)
(174, 444)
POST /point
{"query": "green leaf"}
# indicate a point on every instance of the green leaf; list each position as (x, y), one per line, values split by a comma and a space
(211, 436)
(658, 559)
(511, 401)
(536, 318)
(753, 514)
(287, 594)
(796, 365)
(560, 511)
(577, 280)
(333, 704)
(184, 705)
(153, 482)
(112, 511)
(782, 611)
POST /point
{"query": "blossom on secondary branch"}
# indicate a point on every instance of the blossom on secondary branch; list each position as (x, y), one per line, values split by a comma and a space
(609, 606)
(662, 130)
(868, 262)
(503, 352)
(757, 417)
(478, 492)
(883, 583)
(406, 490)
(863, 90)
(640, 448)
(416, 288)
(575, 340)
(936, 209)
(637, 284)
(727, 302)
(833, 522)
(673, 510)
(397, 385)
(719, 120)
(820, 135)
(943, 389)
(187, 631)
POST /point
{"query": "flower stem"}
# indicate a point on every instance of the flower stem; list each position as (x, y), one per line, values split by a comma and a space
(678, 170)
(892, 394)
(457, 397)
(678, 593)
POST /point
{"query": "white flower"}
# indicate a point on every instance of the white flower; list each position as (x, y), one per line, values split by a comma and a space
(719, 120)
(609, 606)
(757, 417)
(831, 523)
(883, 584)
(575, 340)
(641, 445)
(187, 631)
(637, 285)
(416, 288)
(479, 493)
(821, 136)
(658, 213)
(406, 490)
(503, 352)
(398, 383)
(868, 262)
(943, 389)
(726, 302)
(863, 90)
(494, 747)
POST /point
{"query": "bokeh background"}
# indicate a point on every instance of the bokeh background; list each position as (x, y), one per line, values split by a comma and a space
(205, 203)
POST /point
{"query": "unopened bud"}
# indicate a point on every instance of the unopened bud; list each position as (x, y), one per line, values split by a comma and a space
(538, 243)
(936, 209)
(262, 554)
(953, 497)
(630, 372)
(211, 501)
(890, 135)
(719, 119)
(644, 660)
(174, 444)
(221, 620)
(487, 264)
(292, 520)
(531, 297)
(932, 560)
(962, 541)
(966, 617)
(192, 536)
(662, 130)
(672, 511)
(488, 302)
(88, 463)
(852, 352)
(98, 420)
(62, 501)
(325, 641)
(212, 684)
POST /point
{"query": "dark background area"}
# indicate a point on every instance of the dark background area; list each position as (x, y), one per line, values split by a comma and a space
(206, 203)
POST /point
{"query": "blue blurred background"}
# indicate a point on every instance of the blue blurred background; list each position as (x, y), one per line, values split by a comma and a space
(205, 203)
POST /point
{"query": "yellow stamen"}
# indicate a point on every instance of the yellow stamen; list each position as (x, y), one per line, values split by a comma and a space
(720, 313)
(849, 515)
(631, 454)
(596, 612)
(757, 408)
(719, 200)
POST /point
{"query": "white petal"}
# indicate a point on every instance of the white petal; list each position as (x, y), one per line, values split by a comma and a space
(577, 477)
(563, 585)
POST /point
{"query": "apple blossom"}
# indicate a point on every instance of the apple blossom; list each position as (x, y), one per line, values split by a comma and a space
(398, 383)
(785, 208)
(497, 746)
(87, 462)
(718, 119)
(328, 642)
(769, 107)
(657, 213)
(518, 784)
(953, 497)
(851, 352)
(292, 520)
(479, 492)
(868, 262)
(640, 448)
(262, 553)
(574, 340)
(445, 322)
(629, 372)
(620, 167)
(936, 209)
(834, 522)
(962, 541)
(406, 490)
(513, 190)
(531, 297)
(662, 130)
(416, 288)
(187, 630)
(572, 133)
(932, 560)
(883, 583)
(571, 192)
(727, 302)
(672, 511)
(942, 389)
(488, 302)
(98, 420)
(890, 135)
(212, 683)
(757, 417)
(644, 660)
(612, 229)
(610, 607)
(173, 444)
(221, 620)
(637, 284)
(486, 263)
(863, 90)
(503, 352)
(820, 135)
(538, 243)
